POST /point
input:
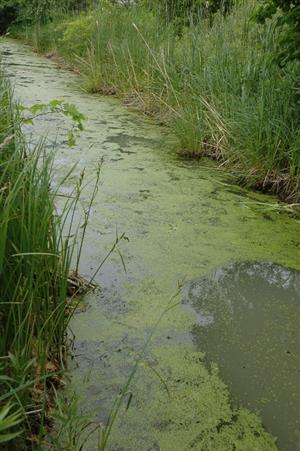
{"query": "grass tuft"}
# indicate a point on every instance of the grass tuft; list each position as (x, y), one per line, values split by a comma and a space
(35, 259)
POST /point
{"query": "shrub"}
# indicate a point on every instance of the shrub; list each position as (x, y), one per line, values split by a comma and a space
(77, 34)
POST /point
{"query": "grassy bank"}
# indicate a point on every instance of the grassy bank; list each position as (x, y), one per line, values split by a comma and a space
(216, 85)
(34, 266)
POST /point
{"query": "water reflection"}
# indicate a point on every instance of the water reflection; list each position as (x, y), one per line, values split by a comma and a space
(247, 320)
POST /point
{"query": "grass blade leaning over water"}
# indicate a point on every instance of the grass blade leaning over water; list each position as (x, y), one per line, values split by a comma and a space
(35, 259)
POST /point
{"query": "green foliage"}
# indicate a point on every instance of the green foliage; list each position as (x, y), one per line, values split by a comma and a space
(35, 11)
(77, 33)
(35, 258)
(287, 17)
(55, 107)
(72, 427)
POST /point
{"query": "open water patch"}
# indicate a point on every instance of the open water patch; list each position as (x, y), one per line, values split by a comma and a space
(247, 321)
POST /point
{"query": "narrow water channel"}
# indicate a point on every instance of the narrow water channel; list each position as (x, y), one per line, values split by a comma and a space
(185, 222)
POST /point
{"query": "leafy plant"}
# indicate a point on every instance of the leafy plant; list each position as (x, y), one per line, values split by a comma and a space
(287, 19)
(72, 427)
(55, 106)
(77, 33)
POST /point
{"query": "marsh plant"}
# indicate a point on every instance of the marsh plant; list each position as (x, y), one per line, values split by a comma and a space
(35, 262)
(216, 83)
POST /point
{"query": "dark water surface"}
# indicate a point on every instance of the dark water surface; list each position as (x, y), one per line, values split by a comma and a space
(248, 322)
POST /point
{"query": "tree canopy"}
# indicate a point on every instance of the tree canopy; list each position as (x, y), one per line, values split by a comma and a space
(287, 17)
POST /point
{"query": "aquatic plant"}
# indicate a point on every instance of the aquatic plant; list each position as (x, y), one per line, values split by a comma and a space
(35, 259)
(216, 85)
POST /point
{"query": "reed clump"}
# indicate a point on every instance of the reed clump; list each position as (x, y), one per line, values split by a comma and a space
(35, 259)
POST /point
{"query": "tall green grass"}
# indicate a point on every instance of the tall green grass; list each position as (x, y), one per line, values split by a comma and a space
(35, 260)
(216, 84)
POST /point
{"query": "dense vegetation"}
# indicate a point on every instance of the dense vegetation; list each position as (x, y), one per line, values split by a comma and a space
(211, 75)
(34, 268)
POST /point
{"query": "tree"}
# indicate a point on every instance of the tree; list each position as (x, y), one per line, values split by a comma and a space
(287, 17)
(34, 10)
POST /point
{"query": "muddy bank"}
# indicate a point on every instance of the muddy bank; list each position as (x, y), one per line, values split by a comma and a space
(183, 220)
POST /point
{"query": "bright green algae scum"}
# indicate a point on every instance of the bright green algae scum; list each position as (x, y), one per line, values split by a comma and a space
(183, 221)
